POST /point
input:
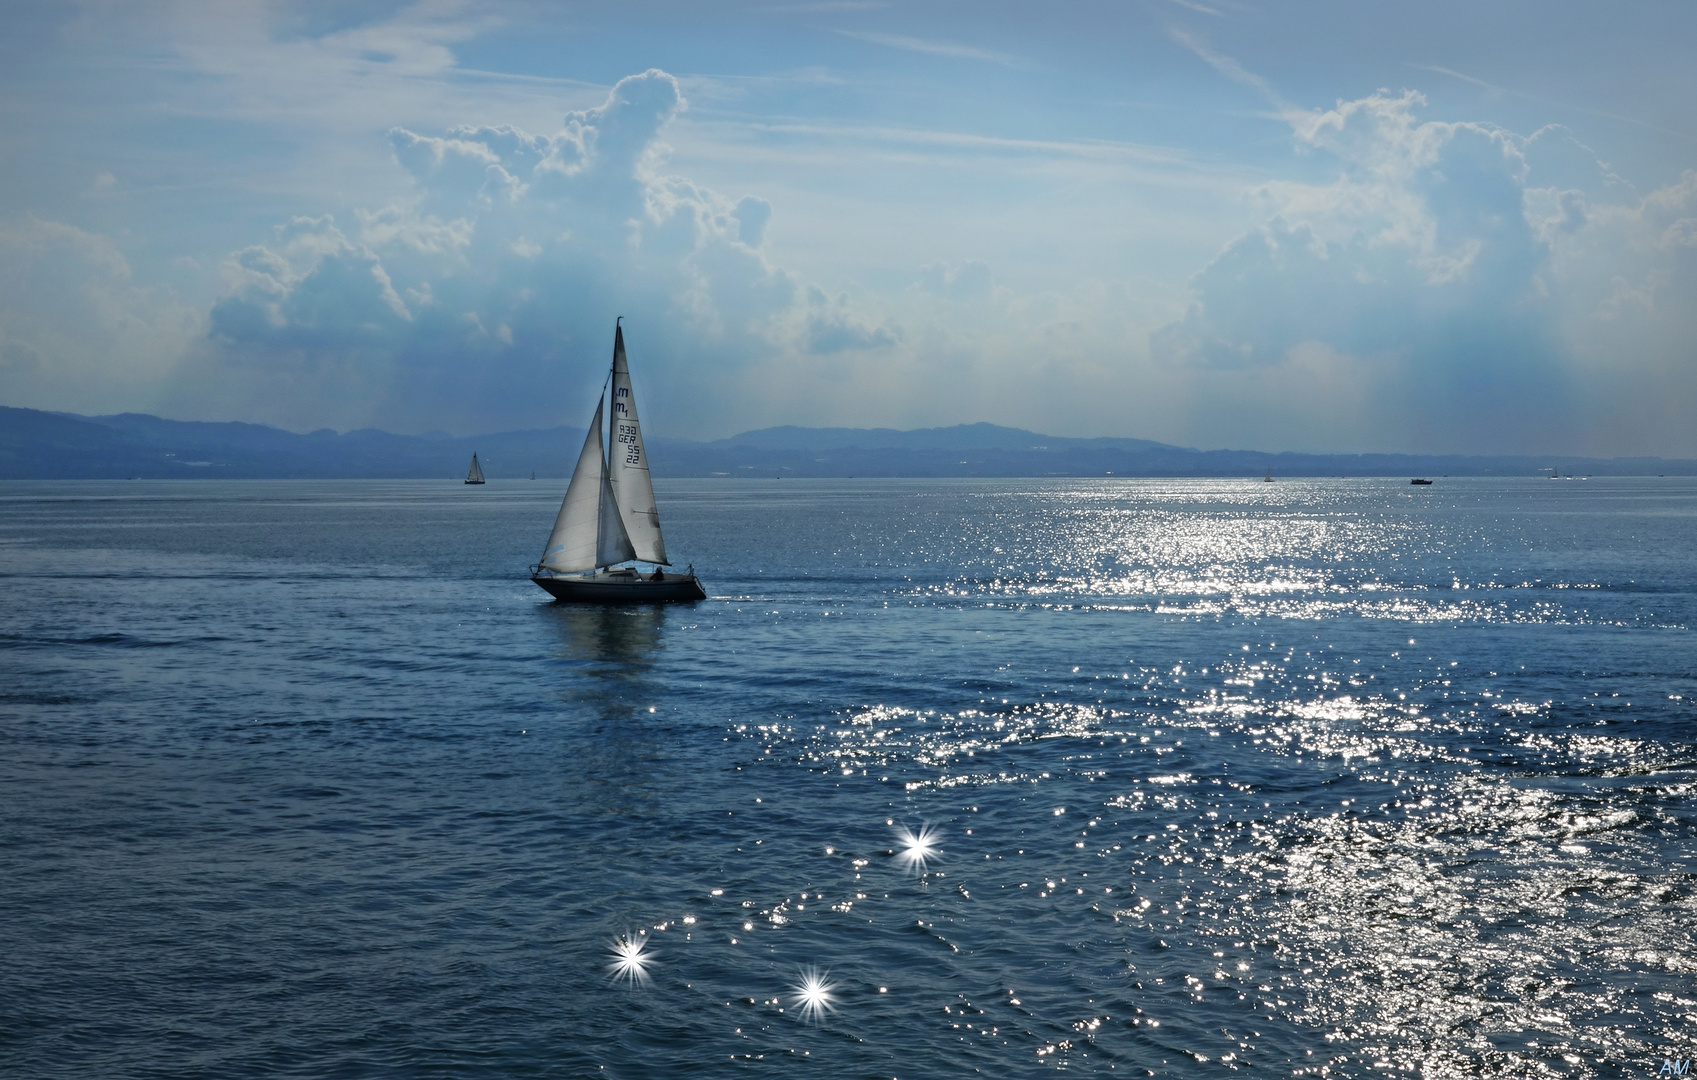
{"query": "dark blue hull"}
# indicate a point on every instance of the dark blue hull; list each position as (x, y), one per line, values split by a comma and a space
(623, 588)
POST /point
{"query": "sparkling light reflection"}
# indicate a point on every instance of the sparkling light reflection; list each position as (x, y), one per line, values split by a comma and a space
(631, 960)
(813, 995)
(918, 848)
(1454, 852)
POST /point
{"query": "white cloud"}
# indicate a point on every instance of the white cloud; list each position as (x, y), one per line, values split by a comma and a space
(502, 275)
(1229, 67)
(833, 327)
(1384, 288)
(1423, 299)
(1625, 276)
(1442, 281)
(76, 331)
(950, 49)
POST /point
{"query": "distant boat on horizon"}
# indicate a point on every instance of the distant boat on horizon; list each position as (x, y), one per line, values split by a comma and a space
(475, 476)
(608, 517)
(1421, 481)
(1269, 476)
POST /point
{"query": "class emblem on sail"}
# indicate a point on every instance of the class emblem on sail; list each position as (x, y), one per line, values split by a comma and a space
(608, 517)
(475, 476)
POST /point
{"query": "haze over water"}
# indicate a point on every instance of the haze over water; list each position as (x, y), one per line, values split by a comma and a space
(1322, 777)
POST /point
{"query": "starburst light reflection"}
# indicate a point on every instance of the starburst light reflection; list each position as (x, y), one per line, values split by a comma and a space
(813, 995)
(630, 960)
(917, 848)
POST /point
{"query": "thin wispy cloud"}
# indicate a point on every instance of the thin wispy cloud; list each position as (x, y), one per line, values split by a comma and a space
(967, 141)
(719, 83)
(1495, 89)
(1231, 69)
(826, 7)
(934, 48)
(1202, 8)
(516, 77)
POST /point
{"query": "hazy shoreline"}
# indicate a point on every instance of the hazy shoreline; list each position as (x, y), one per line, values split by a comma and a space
(45, 445)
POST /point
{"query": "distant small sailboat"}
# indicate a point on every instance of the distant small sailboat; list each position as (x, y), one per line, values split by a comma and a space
(475, 476)
(608, 516)
(1269, 476)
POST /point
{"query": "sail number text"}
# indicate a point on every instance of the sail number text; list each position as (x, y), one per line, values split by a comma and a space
(633, 444)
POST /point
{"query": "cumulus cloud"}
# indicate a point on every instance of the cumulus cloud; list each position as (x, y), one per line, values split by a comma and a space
(341, 296)
(1626, 275)
(76, 330)
(1438, 275)
(833, 328)
(483, 298)
(1452, 285)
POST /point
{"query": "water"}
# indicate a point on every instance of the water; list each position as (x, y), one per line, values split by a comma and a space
(1316, 778)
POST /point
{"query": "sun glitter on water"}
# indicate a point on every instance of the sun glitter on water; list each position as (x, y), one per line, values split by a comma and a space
(813, 997)
(918, 849)
(630, 959)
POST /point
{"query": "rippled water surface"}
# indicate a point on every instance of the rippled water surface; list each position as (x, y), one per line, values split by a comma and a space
(1112, 777)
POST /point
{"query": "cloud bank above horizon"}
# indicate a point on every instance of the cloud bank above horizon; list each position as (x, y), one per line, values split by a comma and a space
(427, 218)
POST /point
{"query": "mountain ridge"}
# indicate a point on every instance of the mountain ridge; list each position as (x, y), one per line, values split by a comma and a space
(36, 444)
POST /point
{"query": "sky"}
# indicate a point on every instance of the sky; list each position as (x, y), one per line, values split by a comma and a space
(1328, 227)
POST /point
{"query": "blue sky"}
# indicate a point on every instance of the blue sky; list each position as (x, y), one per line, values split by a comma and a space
(1324, 226)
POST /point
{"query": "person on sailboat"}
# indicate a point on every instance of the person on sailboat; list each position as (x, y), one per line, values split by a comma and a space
(659, 574)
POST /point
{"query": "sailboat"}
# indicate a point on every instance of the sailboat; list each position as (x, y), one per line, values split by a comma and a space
(475, 476)
(608, 517)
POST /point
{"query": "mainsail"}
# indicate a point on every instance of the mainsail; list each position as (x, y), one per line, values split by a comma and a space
(633, 487)
(588, 533)
(475, 476)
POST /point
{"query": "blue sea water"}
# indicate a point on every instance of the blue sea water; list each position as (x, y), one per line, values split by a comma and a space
(1321, 777)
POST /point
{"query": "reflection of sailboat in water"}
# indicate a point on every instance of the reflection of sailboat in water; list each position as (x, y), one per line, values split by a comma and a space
(619, 643)
(609, 518)
(605, 679)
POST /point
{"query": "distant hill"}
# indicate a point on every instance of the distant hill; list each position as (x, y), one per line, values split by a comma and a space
(35, 444)
(960, 437)
(48, 445)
